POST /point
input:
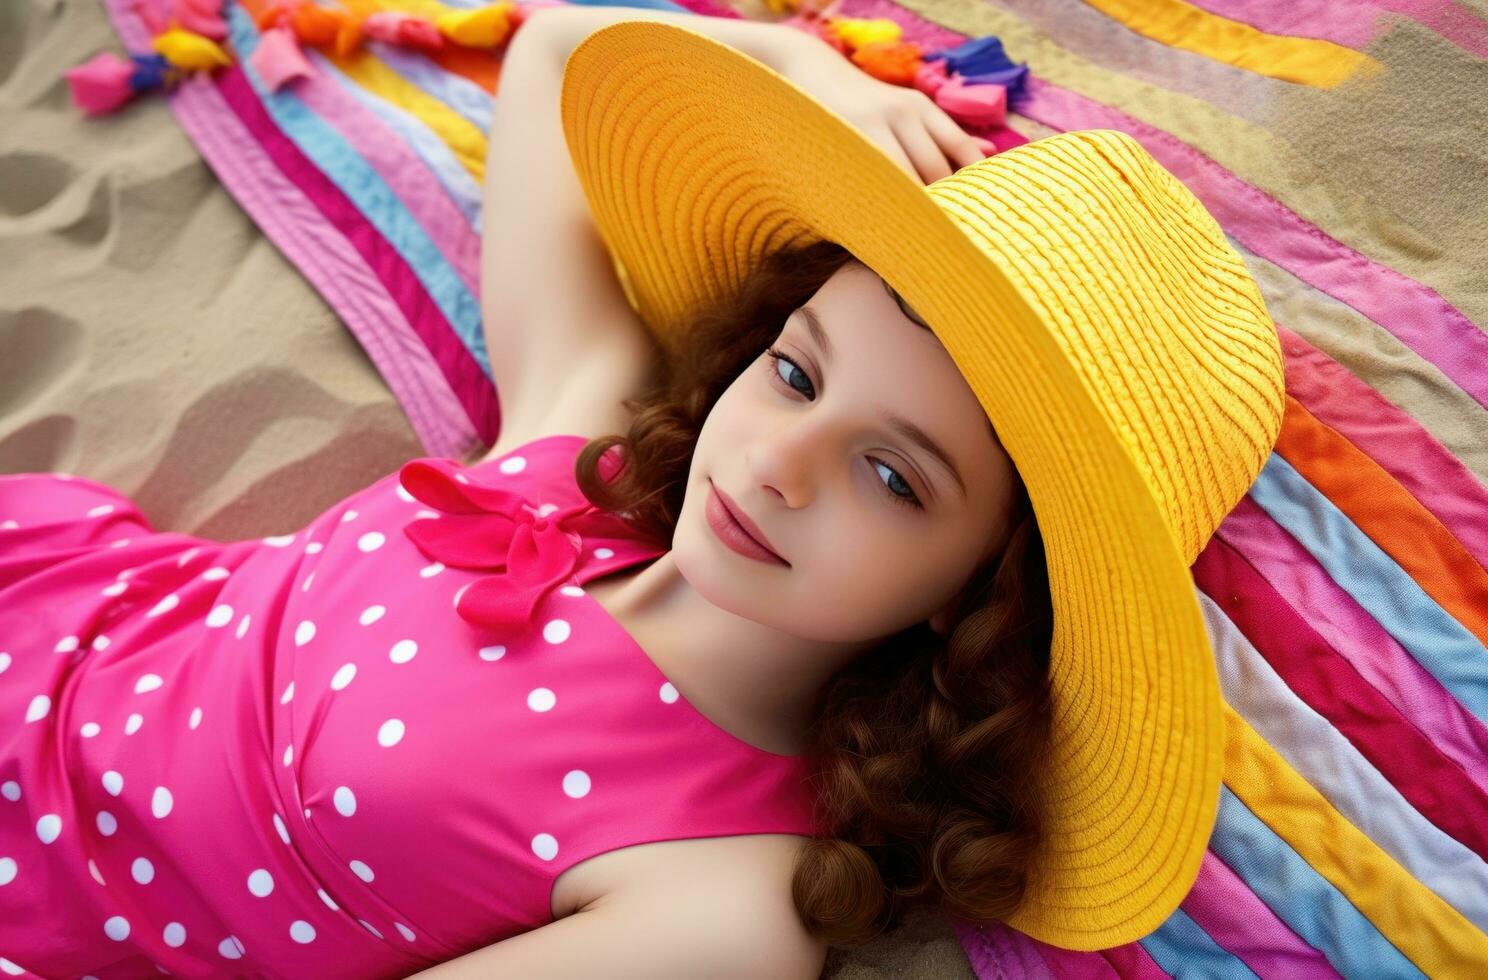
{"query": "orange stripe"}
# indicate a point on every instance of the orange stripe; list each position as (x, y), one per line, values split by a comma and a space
(1392, 518)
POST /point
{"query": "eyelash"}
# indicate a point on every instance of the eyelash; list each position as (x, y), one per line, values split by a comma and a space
(775, 356)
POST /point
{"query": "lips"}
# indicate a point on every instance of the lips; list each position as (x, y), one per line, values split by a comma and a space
(750, 528)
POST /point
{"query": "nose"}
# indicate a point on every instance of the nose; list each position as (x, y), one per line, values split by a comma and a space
(789, 461)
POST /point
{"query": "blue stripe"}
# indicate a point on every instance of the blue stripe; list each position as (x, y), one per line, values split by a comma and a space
(1302, 898)
(1386, 591)
(340, 162)
(1183, 949)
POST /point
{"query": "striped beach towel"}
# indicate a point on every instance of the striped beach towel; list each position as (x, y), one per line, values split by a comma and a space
(1346, 595)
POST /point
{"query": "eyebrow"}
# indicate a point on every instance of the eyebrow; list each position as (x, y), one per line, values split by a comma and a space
(897, 422)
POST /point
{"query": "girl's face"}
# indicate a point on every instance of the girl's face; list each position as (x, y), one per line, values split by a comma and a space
(878, 531)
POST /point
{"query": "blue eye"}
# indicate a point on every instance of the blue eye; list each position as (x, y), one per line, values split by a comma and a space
(772, 365)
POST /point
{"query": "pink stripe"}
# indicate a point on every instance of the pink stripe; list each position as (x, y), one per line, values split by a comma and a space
(1346, 627)
(1070, 965)
(1416, 314)
(1133, 962)
(389, 154)
(1222, 904)
(999, 952)
(1356, 23)
(1392, 438)
(459, 367)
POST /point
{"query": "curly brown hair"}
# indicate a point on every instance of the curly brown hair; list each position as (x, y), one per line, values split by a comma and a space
(924, 749)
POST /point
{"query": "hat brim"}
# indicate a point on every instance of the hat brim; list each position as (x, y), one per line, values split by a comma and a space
(698, 162)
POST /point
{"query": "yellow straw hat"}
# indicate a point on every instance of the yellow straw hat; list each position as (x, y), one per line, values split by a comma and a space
(1119, 346)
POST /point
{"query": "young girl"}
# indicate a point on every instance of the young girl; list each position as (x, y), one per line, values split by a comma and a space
(735, 645)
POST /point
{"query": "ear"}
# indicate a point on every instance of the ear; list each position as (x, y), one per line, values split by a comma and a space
(940, 621)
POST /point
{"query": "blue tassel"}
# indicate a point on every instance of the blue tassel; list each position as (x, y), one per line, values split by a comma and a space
(150, 71)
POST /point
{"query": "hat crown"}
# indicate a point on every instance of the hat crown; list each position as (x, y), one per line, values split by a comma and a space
(1148, 299)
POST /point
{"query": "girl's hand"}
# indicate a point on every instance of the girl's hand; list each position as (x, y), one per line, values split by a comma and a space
(904, 122)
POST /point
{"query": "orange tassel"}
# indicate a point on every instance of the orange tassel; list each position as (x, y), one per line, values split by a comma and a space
(316, 26)
(895, 62)
(268, 17)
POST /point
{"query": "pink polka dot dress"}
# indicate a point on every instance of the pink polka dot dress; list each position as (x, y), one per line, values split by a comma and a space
(356, 750)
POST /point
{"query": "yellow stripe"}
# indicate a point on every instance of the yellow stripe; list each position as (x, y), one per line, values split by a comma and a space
(1431, 934)
(462, 136)
(1305, 60)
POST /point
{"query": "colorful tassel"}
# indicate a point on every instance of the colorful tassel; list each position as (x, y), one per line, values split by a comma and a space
(858, 32)
(100, 84)
(895, 62)
(973, 105)
(202, 17)
(983, 61)
(190, 51)
(486, 27)
(278, 59)
(404, 30)
(315, 25)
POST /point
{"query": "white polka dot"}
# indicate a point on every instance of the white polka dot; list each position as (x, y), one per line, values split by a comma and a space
(40, 706)
(330, 902)
(541, 699)
(190, 554)
(107, 823)
(288, 694)
(546, 509)
(279, 540)
(100, 642)
(89, 729)
(604, 553)
(4, 662)
(350, 515)
(283, 830)
(307, 813)
(362, 871)
(304, 633)
(49, 827)
(668, 693)
(161, 802)
(343, 676)
(405, 932)
(231, 948)
(93, 870)
(66, 645)
(429, 571)
(313, 548)
(371, 541)
(11, 790)
(308, 579)
(116, 589)
(427, 515)
(196, 716)
(556, 630)
(289, 754)
(7, 870)
(243, 625)
(148, 683)
(371, 615)
(370, 928)
(460, 593)
(512, 464)
(174, 935)
(142, 870)
(116, 928)
(113, 782)
(571, 590)
(260, 883)
(215, 573)
(164, 605)
(301, 931)
(391, 733)
(493, 652)
(345, 801)
(402, 651)
(6, 966)
(133, 722)
(220, 615)
(576, 783)
(403, 493)
(101, 510)
(545, 846)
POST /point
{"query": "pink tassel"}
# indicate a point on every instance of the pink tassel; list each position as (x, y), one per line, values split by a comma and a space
(150, 14)
(973, 105)
(278, 58)
(404, 30)
(201, 18)
(100, 84)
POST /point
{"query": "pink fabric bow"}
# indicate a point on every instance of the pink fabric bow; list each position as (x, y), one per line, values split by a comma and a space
(485, 526)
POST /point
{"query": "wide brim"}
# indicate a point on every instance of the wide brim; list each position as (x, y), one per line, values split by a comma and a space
(698, 162)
